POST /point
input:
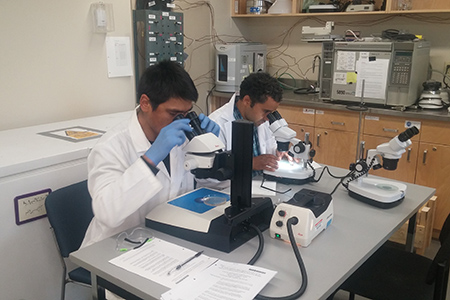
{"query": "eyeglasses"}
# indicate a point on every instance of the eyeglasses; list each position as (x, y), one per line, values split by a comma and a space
(136, 239)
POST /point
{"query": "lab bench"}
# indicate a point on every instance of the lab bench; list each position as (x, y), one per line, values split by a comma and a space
(337, 133)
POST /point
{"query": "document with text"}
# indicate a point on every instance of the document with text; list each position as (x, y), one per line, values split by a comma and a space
(163, 262)
(222, 280)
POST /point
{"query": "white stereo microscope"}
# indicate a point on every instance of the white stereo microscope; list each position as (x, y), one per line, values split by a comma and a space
(296, 170)
(375, 191)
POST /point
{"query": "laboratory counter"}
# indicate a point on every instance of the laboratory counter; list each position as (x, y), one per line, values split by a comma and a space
(313, 101)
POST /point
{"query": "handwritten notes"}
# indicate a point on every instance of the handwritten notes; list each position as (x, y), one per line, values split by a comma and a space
(30, 207)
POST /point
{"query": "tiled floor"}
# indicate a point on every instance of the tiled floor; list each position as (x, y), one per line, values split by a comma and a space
(77, 292)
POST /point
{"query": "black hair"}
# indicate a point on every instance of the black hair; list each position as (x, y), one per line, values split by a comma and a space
(258, 86)
(166, 80)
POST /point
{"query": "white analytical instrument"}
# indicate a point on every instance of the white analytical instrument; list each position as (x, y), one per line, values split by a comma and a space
(320, 34)
(375, 191)
(297, 170)
(314, 211)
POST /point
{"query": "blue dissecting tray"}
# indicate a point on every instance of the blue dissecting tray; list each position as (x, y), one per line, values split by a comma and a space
(187, 201)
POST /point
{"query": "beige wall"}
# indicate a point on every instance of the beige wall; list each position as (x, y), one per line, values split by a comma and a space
(53, 68)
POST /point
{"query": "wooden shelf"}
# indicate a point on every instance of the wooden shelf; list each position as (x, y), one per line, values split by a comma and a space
(238, 9)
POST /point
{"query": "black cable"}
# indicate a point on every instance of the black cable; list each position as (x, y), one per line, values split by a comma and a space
(292, 221)
(360, 107)
(207, 96)
(396, 35)
(329, 173)
(260, 247)
(272, 190)
(305, 91)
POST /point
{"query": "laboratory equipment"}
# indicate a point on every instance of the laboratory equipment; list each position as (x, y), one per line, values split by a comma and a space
(297, 170)
(235, 61)
(319, 34)
(158, 36)
(314, 211)
(431, 97)
(375, 191)
(57, 160)
(393, 71)
(225, 226)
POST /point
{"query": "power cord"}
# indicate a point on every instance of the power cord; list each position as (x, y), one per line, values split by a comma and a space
(290, 222)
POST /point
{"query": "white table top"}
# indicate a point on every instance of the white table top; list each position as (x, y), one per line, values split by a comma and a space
(24, 149)
(358, 229)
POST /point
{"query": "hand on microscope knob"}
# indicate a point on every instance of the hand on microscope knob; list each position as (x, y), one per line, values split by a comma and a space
(170, 136)
(266, 162)
(209, 125)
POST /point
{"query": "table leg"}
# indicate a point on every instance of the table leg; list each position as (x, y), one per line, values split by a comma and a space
(94, 286)
(411, 233)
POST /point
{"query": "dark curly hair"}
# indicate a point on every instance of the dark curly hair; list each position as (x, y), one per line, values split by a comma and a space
(258, 86)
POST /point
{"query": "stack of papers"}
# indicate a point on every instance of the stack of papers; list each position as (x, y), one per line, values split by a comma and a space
(156, 260)
(222, 280)
(199, 277)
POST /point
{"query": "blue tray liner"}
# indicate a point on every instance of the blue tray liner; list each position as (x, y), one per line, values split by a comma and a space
(188, 202)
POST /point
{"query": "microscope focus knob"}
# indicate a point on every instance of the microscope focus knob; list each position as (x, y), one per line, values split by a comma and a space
(282, 213)
(299, 148)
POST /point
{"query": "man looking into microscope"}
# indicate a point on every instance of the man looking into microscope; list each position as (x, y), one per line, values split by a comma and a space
(139, 163)
(259, 95)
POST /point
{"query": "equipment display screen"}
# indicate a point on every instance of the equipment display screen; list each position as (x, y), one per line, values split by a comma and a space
(223, 67)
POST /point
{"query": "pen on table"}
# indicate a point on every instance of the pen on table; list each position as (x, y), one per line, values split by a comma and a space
(185, 262)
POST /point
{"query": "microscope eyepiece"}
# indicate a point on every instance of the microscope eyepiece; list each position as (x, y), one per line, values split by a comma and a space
(274, 116)
(189, 135)
(408, 133)
(195, 123)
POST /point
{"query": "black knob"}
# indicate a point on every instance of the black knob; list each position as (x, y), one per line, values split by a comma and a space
(282, 213)
(279, 223)
(299, 148)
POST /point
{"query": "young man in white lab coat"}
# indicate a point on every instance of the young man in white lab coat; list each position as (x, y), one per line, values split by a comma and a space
(259, 95)
(139, 163)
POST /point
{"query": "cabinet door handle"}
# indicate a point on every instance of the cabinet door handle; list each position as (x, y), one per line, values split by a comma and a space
(318, 140)
(390, 130)
(424, 160)
(408, 156)
(337, 123)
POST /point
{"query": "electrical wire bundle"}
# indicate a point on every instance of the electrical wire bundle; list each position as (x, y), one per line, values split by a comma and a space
(396, 35)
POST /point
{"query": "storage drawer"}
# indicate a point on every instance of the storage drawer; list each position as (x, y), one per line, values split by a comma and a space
(337, 120)
(296, 114)
(387, 126)
(437, 132)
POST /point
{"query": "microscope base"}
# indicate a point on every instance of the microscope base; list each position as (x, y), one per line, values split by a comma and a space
(288, 180)
(227, 231)
(377, 192)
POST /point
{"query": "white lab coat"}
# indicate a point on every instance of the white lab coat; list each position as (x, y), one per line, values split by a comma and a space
(224, 117)
(123, 187)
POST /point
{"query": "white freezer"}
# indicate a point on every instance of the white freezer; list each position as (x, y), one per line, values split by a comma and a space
(32, 162)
